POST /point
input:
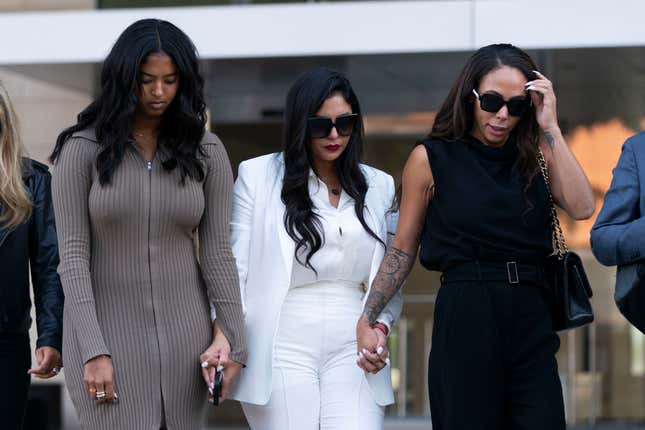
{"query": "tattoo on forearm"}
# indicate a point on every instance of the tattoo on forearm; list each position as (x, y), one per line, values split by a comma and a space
(394, 269)
(549, 139)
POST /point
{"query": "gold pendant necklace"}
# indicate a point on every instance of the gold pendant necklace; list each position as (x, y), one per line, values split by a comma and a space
(334, 190)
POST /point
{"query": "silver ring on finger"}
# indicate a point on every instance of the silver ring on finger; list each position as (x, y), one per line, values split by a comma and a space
(100, 394)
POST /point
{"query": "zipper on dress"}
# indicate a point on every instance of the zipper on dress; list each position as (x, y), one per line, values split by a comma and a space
(154, 315)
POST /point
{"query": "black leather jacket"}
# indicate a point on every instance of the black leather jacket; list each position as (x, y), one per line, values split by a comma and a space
(32, 243)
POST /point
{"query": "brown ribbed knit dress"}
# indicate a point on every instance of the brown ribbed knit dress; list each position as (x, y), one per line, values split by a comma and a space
(133, 286)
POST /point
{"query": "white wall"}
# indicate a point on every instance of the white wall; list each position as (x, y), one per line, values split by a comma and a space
(43, 109)
(333, 28)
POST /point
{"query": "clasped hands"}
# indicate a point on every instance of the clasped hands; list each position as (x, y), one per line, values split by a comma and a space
(372, 353)
(216, 357)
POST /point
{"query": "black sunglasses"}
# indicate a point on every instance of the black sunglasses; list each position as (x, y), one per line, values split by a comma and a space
(320, 126)
(494, 102)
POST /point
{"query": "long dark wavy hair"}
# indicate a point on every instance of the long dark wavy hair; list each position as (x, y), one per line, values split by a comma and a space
(304, 99)
(112, 113)
(455, 118)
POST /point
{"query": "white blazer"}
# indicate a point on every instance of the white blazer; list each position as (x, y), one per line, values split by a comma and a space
(264, 253)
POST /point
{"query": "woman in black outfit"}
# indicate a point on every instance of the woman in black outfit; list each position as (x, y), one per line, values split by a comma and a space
(27, 241)
(476, 202)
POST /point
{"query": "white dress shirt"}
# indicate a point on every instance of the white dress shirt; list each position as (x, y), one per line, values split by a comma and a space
(346, 254)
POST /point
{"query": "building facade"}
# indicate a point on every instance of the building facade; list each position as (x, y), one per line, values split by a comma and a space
(402, 57)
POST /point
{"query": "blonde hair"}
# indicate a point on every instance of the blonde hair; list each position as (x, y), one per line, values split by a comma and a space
(14, 198)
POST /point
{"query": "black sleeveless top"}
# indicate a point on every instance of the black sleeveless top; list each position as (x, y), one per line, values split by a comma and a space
(480, 210)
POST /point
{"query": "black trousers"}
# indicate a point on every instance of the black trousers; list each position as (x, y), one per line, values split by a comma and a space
(492, 364)
(15, 360)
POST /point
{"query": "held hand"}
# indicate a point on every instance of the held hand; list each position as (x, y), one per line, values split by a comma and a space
(210, 358)
(371, 346)
(229, 375)
(375, 361)
(48, 363)
(99, 379)
(544, 100)
(217, 354)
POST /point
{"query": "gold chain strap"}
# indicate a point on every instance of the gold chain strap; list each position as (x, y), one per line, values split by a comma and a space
(559, 244)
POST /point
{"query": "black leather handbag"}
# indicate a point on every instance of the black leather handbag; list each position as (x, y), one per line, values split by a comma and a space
(630, 293)
(570, 289)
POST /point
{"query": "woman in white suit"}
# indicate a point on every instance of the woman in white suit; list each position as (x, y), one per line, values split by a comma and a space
(309, 229)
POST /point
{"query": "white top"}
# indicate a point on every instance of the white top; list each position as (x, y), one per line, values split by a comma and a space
(347, 251)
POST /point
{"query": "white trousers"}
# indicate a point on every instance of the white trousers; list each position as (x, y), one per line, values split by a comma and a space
(316, 382)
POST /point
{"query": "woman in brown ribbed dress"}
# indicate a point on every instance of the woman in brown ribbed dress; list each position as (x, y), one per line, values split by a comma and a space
(136, 181)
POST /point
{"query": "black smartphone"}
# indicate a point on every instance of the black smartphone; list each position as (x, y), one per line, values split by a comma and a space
(217, 387)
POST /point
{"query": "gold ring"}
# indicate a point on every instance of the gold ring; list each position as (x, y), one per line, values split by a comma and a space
(92, 390)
